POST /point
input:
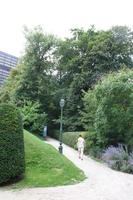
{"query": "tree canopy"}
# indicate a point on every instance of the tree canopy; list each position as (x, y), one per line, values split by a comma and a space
(53, 68)
(108, 107)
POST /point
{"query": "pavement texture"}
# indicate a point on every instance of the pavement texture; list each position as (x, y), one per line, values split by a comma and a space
(101, 183)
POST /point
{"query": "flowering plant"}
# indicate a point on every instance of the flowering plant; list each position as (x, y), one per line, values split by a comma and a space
(118, 158)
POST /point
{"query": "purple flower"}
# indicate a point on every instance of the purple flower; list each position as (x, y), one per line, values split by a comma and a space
(117, 158)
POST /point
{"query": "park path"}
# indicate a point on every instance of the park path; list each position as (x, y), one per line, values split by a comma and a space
(102, 183)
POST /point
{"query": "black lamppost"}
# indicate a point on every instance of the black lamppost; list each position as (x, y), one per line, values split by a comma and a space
(62, 103)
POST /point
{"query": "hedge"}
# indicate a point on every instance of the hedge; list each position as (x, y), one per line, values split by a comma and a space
(12, 158)
(69, 138)
(91, 146)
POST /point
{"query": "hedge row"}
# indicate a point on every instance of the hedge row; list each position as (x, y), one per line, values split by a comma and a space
(12, 159)
(69, 138)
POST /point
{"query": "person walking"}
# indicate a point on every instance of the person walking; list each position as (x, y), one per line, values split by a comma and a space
(80, 145)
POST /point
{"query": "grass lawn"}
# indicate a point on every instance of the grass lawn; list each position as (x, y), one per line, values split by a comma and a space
(45, 167)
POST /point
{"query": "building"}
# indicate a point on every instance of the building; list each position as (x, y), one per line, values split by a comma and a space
(7, 62)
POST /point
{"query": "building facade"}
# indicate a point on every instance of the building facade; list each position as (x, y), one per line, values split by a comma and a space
(7, 62)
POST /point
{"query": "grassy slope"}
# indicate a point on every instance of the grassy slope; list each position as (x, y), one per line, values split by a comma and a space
(45, 166)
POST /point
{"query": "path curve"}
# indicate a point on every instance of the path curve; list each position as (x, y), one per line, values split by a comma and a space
(102, 183)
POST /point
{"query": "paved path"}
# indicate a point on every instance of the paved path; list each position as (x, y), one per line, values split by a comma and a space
(102, 183)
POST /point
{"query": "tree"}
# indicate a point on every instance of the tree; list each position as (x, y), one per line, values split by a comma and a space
(85, 58)
(112, 111)
(52, 69)
(32, 119)
(7, 91)
(37, 82)
(34, 80)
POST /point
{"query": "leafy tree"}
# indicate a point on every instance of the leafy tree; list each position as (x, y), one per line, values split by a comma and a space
(85, 58)
(32, 119)
(112, 111)
(7, 91)
(52, 69)
(37, 82)
(37, 64)
(34, 80)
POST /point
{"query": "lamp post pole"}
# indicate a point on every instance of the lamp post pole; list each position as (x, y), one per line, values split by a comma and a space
(62, 103)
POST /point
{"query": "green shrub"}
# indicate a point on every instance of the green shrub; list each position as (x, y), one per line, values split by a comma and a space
(109, 109)
(12, 159)
(91, 142)
(70, 138)
(33, 120)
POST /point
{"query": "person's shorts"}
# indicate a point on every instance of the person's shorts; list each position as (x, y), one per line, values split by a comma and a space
(80, 149)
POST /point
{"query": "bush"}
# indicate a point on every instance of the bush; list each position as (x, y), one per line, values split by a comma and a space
(92, 146)
(109, 109)
(33, 120)
(91, 142)
(118, 158)
(12, 159)
(69, 138)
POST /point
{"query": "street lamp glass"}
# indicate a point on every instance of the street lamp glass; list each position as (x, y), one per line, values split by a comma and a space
(62, 103)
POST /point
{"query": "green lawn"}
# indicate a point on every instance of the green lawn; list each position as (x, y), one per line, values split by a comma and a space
(45, 166)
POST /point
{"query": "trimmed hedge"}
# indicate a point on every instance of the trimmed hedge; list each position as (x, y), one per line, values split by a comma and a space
(12, 158)
(69, 138)
(91, 146)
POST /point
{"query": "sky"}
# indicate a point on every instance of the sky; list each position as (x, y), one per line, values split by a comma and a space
(58, 17)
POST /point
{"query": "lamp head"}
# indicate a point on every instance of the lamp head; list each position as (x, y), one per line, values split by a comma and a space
(62, 103)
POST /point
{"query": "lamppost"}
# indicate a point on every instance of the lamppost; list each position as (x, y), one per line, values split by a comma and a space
(62, 103)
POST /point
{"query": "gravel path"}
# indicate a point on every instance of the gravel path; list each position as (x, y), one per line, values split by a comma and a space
(102, 183)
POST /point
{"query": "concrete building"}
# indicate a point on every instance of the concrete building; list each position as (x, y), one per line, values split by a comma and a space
(7, 62)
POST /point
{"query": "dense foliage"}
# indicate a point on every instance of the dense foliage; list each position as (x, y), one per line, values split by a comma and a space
(84, 58)
(52, 69)
(110, 110)
(12, 163)
(71, 138)
(32, 119)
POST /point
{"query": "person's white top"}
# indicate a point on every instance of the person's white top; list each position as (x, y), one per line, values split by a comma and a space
(81, 142)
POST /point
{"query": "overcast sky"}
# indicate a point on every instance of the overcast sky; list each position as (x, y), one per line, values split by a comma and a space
(58, 17)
